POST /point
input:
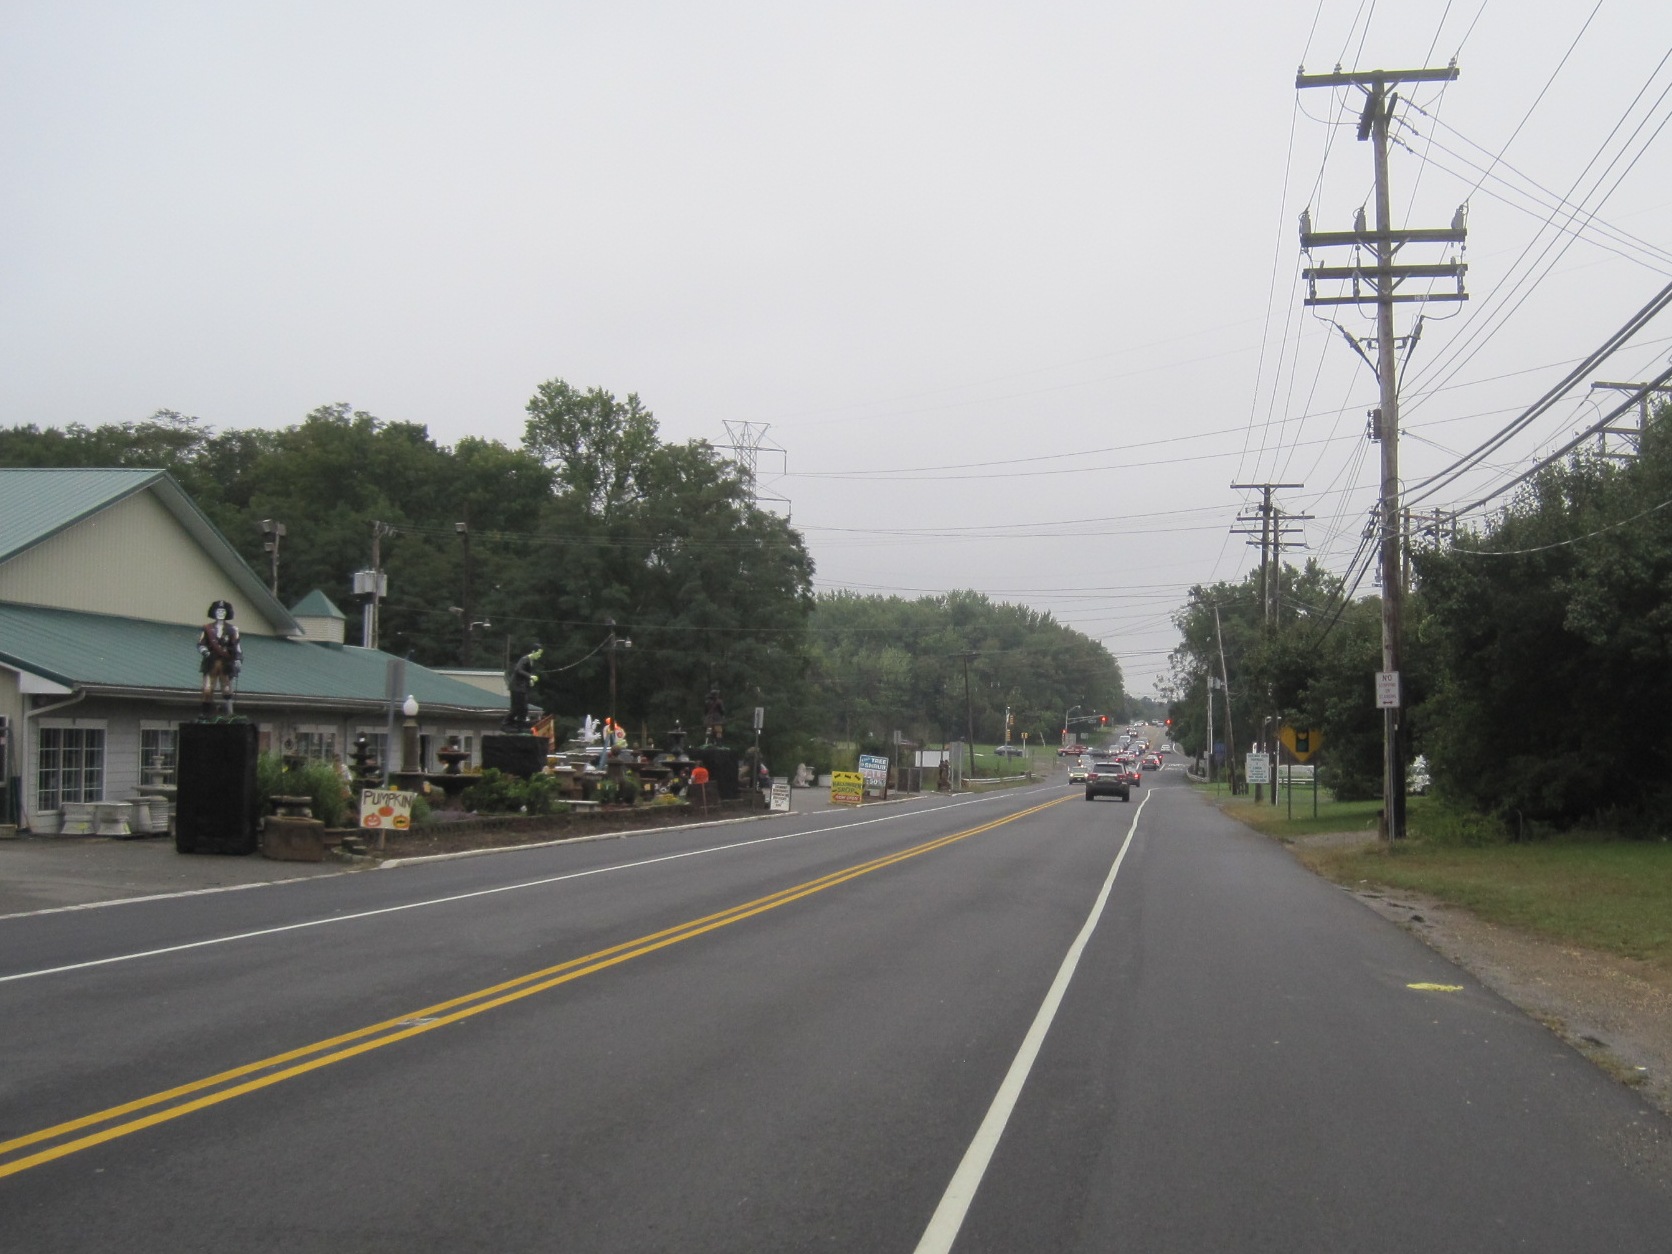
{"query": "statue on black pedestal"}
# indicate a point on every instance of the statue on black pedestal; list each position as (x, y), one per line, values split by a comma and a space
(521, 682)
(222, 657)
(714, 717)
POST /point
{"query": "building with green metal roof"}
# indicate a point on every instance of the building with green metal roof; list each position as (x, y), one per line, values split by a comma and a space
(105, 581)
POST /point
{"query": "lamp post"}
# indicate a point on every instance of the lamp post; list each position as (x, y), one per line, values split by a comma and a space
(409, 736)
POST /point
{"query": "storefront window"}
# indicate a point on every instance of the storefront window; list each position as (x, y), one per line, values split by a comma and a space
(69, 766)
(158, 747)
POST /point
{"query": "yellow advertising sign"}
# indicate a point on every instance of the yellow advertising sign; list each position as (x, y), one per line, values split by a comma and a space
(1301, 744)
(846, 788)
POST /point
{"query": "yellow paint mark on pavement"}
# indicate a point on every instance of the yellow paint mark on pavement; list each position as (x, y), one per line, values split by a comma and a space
(219, 1087)
(1436, 988)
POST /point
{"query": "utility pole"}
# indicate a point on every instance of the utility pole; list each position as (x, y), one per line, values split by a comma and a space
(1383, 279)
(1272, 532)
(1209, 686)
(274, 531)
(1225, 683)
(612, 644)
(969, 712)
(463, 528)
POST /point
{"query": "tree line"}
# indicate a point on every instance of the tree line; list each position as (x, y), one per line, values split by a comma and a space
(1537, 653)
(592, 519)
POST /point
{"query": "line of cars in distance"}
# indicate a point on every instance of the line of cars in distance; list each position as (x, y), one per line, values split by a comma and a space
(1115, 770)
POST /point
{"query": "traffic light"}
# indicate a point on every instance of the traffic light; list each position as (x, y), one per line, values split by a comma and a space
(1103, 719)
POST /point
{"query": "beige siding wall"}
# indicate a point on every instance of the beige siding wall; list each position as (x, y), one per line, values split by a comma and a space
(133, 559)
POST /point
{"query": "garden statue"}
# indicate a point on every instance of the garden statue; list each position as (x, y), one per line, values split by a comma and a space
(520, 681)
(222, 657)
(714, 717)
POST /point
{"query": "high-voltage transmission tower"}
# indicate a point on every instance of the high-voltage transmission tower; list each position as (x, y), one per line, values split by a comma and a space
(747, 441)
(1378, 281)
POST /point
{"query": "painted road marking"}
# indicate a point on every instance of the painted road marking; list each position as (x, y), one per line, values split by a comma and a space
(279, 929)
(1436, 988)
(955, 1202)
(297, 1062)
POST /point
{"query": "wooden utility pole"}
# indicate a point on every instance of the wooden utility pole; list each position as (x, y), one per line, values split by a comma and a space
(1272, 531)
(466, 653)
(1379, 284)
(1225, 682)
(969, 712)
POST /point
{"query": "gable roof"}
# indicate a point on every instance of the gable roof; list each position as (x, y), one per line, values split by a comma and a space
(107, 655)
(41, 502)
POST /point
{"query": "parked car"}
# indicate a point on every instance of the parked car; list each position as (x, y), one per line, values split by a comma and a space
(1107, 779)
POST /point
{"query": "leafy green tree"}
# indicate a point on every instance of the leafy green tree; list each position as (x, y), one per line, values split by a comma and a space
(598, 446)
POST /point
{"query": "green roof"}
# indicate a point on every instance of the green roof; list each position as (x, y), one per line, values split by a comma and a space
(42, 502)
(316, 605)
(37, 503)
(133, 657)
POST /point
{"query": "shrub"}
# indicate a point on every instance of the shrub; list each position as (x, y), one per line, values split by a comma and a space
(318, 781)
(499, 793)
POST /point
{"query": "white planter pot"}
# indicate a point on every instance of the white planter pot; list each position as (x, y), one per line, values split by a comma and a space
(45, 822)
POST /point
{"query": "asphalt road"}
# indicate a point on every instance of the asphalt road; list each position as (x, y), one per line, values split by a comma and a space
(1014, 1022)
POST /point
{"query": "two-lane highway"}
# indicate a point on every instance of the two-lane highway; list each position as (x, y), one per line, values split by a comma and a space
(1011, 1022)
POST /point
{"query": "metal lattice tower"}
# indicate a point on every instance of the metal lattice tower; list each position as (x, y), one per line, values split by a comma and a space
(746, 440)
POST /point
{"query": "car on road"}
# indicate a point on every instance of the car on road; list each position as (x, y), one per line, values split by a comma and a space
(1077, 772)
(1134, 774)
(1106, 779)
(1008, 751)
(1072, 751)
(1151, 762)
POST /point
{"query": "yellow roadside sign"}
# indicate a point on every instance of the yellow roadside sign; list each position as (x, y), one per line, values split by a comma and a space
(1300, 744)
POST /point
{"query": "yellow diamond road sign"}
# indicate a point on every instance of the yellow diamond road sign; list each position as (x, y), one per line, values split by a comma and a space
(1301, 744)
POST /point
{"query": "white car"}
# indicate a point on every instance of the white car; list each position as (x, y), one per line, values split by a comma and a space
(1077, 772)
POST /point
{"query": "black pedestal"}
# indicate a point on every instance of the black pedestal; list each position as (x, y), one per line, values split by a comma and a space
(215, 808)
(515, 755)
(722, 769)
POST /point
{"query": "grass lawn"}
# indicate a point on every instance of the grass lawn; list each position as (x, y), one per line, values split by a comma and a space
(1591, 890)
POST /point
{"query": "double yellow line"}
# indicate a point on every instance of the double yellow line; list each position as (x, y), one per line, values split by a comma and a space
(61, 1140)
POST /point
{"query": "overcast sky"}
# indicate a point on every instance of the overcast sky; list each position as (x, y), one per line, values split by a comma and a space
(1016, 286)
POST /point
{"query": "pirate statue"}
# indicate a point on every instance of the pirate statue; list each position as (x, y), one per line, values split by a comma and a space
(222, 657)
(520, 681)
(714, 717)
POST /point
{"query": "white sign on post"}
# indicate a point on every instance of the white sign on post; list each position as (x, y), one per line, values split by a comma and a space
(1259, 769)
(1387, 690)
(760, 717)
(386, 808)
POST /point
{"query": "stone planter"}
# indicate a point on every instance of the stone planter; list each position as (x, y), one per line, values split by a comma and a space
(46, 822)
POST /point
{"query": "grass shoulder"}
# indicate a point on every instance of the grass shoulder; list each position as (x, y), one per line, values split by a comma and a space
(1591, 889)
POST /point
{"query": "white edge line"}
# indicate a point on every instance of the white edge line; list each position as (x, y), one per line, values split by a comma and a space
(441, 901)
(420, 860)
(955, 1202)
